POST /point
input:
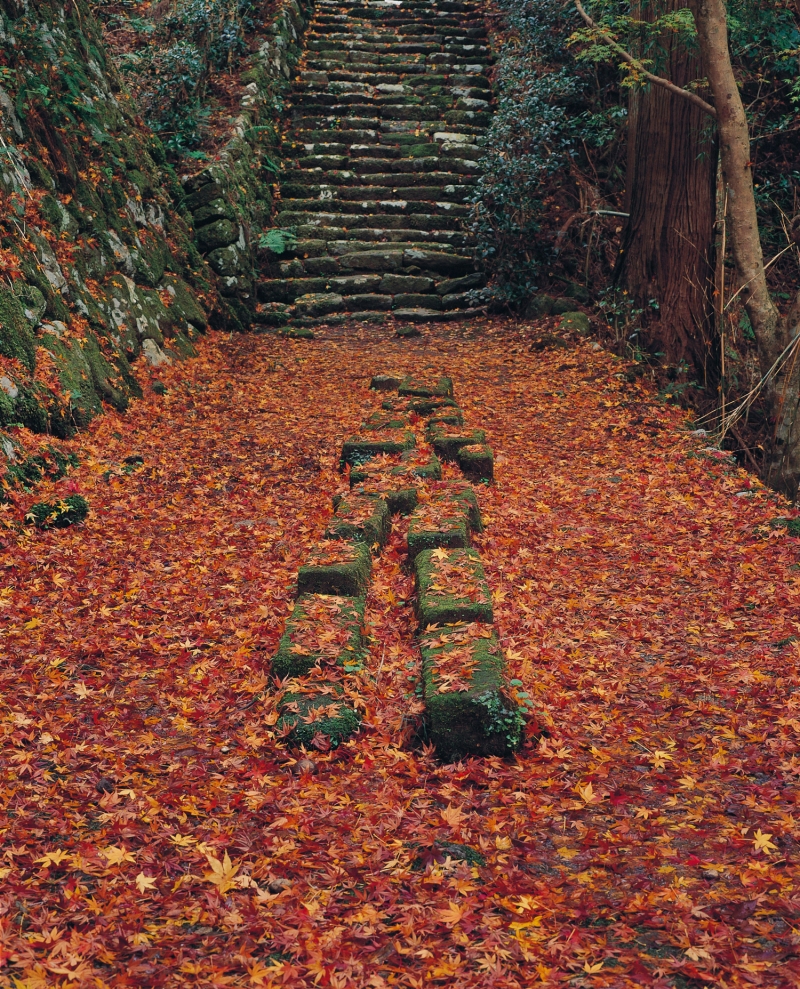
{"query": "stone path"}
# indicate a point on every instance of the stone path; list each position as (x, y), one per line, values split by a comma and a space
(388, 112)
(395, 468)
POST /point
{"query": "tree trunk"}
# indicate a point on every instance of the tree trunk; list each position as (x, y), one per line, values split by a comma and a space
(667, 253)
(774, 336)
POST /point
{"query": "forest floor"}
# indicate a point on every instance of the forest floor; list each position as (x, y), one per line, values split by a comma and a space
(155, 831)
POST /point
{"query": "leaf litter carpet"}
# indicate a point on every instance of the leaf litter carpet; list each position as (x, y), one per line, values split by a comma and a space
(155, 830)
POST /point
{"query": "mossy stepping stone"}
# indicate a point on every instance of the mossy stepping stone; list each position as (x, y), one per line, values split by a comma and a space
(321, 711)
(468, 710)
(382, 419)
(575, 321)
(443, 388)
(422, 407)
(452, 416)
(385, 382)
(399, 500)
(447, 441)
(336, 567)
(323, 629)
(297, 333)
(361, 518)
(476, 462)
(446, 519)
(451, 587)
(361, 447)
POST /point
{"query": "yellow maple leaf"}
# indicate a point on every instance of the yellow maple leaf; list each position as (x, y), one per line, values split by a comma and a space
(659, 759)
(222, 873)
(696, 954)
(592, 969)
(452, 816)
(586, 793)
(568, 853)
(439, 554)
(144, 882)
(183, 840)
(762, 843)
(53, 858)
(451, 914)
(116, 856)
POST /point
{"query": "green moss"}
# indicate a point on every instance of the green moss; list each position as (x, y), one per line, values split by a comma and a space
(451, 587)
(385, 382)
(29, 411)
(149, 260)
(336, 568)
(358, 449)
(476, 462)
(449, 529)
(385, 420)
(468, 709)
(447, 443)
(361, 518)
(443, 388)
(59, 514)
(32, 301)
(16, 336)
(304, 713)
(340, 621)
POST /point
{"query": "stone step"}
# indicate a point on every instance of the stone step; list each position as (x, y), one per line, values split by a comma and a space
(377, 207)
(356, 221)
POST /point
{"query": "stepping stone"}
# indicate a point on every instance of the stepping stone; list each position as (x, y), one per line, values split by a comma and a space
(422, 407)
(443, 388)
(446, 519)
(320, 710)
(385, 382)
(323, 629)
(359, 448)
(476, 462)
(404, 332)
(467, 706)
(447, 417)
(336, 567)
(447, 442)
(384, 419)
(360, 518)
(451, 587)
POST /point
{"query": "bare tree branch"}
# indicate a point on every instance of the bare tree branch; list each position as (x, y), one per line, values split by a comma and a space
(656, 80)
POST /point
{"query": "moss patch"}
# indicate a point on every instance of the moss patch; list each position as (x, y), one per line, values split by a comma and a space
(447, 442)
(362, 518)
(362, 447)
(336, 567)
(468, 710)
(59, 514)
(443, 388)
(476, 462)
(323, 630)
(318, 713)
(16, 335)
(436, 524)
(451, 587)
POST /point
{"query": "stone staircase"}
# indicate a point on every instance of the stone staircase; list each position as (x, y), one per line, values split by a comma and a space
(387, 117)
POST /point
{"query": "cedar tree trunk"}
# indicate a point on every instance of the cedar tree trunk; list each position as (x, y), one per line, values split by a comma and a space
(667, 251)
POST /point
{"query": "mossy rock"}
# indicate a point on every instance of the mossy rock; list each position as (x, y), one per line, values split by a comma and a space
(30, 410)
(381, 419)
(297, 333)
(360, 518)
(322, 628)
(562, 305)
(150, 259)
(385, 382)
(449, 529)
(443, 388)
(407, 332)
(59, 514)
(451, 587)
(447, 417)
(16, 335)
(399, 501)
(463, 494)
(476, 462)
(423, 407)
(577, 321)
(361, 448)
(332, 717)
(33, 302)
(184, 302)
(447, 441)
(468, 710)
(336, 567)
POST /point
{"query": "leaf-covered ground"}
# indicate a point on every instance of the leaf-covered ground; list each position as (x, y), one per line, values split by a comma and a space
(155, 831)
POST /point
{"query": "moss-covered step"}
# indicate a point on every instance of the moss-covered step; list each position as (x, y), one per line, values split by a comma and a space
(476, 462)
(437, 523)
(447, 441)
(463, 493)
(362, 518)
(442, 388)
(336, 567)
(323, 630)
(382, 419)
(447, 416)
(451, 587)
(422, 407)
(397, 478)
(468, 708)
(385, 382)
(319, 709)
(361, 447)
